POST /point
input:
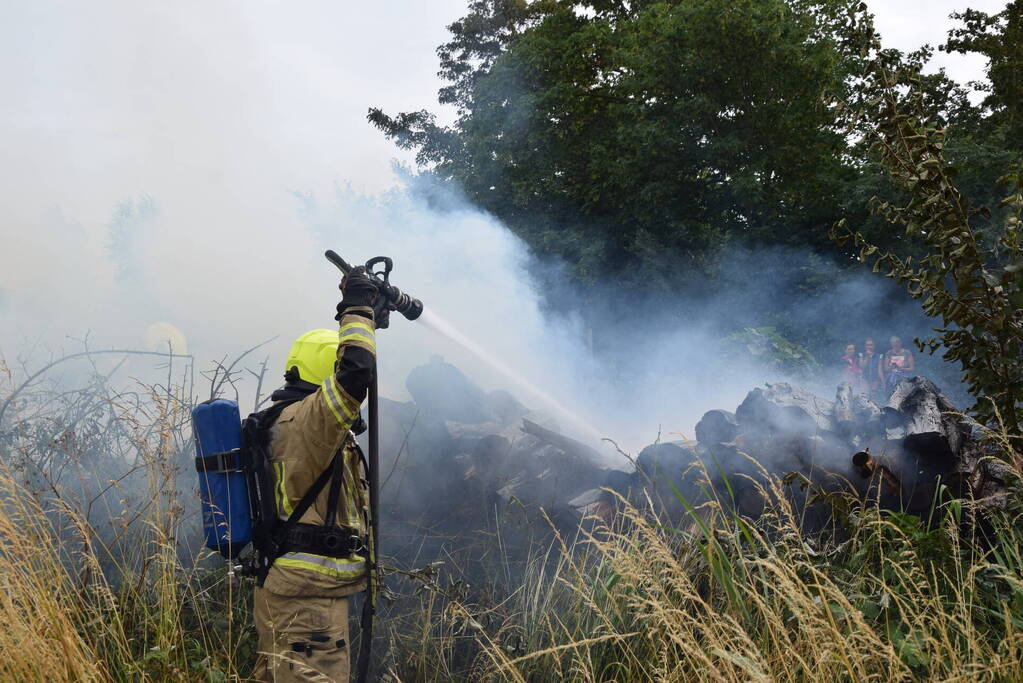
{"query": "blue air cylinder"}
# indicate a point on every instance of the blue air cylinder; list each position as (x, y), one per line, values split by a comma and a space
(223, 489)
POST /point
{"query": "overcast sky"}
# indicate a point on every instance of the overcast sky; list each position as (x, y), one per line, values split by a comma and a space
(93, 92)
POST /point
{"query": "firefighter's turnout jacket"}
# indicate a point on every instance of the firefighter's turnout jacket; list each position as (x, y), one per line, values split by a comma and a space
(303, 442)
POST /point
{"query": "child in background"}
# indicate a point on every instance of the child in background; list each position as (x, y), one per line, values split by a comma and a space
(850, 366)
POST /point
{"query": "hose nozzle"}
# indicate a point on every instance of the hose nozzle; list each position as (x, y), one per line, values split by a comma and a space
(408, 306)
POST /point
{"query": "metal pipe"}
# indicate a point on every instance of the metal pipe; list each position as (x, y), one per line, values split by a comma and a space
(868, 466)
(369, 608)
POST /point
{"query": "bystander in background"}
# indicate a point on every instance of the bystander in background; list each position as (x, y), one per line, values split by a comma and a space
(870, 366)
(850, 367)
(898, 363)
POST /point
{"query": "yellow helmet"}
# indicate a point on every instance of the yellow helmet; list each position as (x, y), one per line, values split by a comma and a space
(314, 354)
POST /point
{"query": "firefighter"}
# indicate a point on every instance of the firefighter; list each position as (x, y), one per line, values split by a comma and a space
(301, 610)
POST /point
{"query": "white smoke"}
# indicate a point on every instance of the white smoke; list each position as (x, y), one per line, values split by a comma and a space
(178, 164)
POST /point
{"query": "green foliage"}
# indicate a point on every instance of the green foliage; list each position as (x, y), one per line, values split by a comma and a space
(984, 141)
(972, 283)
(634, 139)
(999, 38)
(768, 348)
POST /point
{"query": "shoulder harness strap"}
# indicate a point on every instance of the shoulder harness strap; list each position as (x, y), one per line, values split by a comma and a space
(273, 536)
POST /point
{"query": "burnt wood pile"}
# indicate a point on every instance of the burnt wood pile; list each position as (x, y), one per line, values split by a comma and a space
(905, 454)
(458, 461)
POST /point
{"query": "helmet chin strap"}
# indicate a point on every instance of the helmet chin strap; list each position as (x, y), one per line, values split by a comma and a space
(292, 378)
(294, 387)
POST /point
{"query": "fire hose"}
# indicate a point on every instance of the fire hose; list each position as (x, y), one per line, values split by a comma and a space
(411, 308)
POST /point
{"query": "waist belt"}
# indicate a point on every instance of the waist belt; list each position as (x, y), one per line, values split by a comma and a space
(330, 541)
(233, 460)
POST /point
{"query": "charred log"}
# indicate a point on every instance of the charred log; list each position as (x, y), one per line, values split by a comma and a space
(717, 426)
(933, 428)
(558, 440)
(782, 408)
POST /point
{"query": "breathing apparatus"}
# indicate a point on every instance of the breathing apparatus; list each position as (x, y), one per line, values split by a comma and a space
(231, 456)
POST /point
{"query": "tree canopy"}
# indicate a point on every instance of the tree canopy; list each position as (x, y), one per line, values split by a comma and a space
(637, 141)
(619, 135)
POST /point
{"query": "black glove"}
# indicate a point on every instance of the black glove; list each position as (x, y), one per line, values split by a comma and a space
(357, 290)
(381, 314)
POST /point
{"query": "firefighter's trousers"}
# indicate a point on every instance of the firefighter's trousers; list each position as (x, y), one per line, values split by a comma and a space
(301, 639)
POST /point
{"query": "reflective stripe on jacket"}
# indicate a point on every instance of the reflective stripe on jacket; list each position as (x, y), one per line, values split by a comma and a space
(303, 441)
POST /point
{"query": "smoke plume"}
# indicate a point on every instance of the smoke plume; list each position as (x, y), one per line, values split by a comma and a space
(171, 176)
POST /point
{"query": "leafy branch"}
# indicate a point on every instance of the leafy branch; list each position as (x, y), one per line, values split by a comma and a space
(970, 275)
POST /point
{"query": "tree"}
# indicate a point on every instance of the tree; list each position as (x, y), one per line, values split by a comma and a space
(633, 140)
(999, 38)
(984, 141)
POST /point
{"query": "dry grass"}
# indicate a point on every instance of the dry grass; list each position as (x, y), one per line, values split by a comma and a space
(100, 572)
(39, 605)
(100, 580)
(738, 601)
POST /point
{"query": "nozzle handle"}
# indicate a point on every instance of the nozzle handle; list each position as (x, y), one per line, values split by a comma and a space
(336, 259)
